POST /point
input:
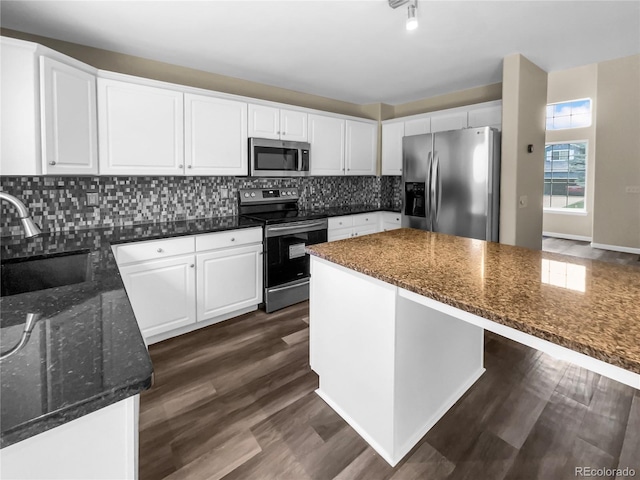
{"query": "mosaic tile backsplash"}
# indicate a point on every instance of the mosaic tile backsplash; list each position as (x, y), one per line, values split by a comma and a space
(60, 203)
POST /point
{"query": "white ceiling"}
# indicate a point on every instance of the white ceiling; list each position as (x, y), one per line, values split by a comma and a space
(356, 51)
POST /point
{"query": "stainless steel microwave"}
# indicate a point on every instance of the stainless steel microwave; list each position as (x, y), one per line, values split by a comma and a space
(278, 158)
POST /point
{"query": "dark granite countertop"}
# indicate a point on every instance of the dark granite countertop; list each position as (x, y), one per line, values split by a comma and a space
(85, 351)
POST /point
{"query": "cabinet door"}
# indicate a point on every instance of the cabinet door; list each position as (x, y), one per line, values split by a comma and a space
(228, 280)
(417, 126)
(360, 230)
(326, 136)
(264, 122)
(361, 148)
(392, 134)
(293, 125)
(162, 293)
(486, 117)
(215, 136)
(448, 121)
(339, 234)
(141, 129)
(69, 119)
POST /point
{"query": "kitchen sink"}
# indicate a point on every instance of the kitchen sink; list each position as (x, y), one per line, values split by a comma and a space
(23, 275)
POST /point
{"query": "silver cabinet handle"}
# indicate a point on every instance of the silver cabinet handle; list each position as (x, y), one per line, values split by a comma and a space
(189, 166)
(52, 162)
(366, 219)
(160, 250)
(233, 239)
(180, 166)
(192, 266)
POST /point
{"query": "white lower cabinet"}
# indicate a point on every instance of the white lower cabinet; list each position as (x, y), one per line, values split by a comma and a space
(389, 221)
(228, 279)
(162, 293)
(348, 226)
(180, 284)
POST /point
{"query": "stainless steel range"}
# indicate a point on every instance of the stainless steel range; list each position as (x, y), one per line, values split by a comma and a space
(287, 230)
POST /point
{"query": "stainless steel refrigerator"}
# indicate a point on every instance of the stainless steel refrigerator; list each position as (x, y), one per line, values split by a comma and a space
(451, 182)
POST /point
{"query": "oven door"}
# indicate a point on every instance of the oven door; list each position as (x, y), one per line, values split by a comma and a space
(275, 158)
(285, 258)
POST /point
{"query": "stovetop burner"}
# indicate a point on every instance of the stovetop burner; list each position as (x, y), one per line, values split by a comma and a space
(274, 205)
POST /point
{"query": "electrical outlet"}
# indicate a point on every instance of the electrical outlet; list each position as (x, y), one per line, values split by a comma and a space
(224, 192)
(93, 199)
(632, 189)
(523, 201)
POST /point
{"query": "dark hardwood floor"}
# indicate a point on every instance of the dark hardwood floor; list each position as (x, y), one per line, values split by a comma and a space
(236, 401)
(577, 248)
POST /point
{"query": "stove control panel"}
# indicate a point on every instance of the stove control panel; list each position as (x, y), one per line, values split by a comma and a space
(268, 195)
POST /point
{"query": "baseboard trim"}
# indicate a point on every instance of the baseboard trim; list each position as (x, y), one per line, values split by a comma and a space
(567, 236)
(616, 248)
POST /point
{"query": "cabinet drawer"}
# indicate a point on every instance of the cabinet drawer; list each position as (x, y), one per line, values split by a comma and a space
(339, 234)
(340, 222)
(230, 238)
(153, 249)
(391, 217)
(365, 219)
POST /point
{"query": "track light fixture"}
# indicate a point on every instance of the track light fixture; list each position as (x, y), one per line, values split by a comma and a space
(412, 19)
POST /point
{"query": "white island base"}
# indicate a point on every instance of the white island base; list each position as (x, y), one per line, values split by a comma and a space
(392, 362)
(390, 367)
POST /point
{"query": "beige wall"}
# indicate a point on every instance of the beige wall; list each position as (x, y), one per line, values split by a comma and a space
(562, 86)
(616, 216)
(142, 67)
(471, 96)
(524, 98)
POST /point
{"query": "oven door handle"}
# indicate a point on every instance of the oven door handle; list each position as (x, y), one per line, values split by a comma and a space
(308, 227)
(288, 287)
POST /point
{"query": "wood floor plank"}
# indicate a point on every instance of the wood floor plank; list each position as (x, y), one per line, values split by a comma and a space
(490, 455)
(221, 460)
(578, 383)
(585, 455)
(630, 454)
(605, 423)
(544, 454)
(423, 462)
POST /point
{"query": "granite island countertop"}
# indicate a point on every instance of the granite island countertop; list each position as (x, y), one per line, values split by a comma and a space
(85, 351)
(585, 305)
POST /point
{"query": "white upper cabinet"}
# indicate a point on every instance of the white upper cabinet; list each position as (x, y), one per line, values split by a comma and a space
(264, 122)
(140, 129)
(215, 136)
(486, 117)
(277, 124)
(392, 134)
(68, 109)
(448, 121)
(326, 136)
(361, 148)
(48, 112)
(417, 126)
(293, 125)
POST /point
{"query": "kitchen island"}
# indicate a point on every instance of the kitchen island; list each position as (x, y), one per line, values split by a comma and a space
(397, 322)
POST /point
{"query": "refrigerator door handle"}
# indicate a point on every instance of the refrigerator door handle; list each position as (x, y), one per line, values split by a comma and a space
(427, 195)
(438, 190)
(432, 193)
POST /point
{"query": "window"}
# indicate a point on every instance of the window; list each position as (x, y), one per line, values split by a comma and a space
(565, 176)
(574, 114)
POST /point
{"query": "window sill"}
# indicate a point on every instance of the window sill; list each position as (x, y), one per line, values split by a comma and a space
(566, 211)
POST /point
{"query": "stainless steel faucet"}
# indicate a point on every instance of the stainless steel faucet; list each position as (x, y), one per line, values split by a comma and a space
(30, 228)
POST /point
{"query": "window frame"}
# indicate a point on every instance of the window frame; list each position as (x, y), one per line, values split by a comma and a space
(569, 101)
(571, 211)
